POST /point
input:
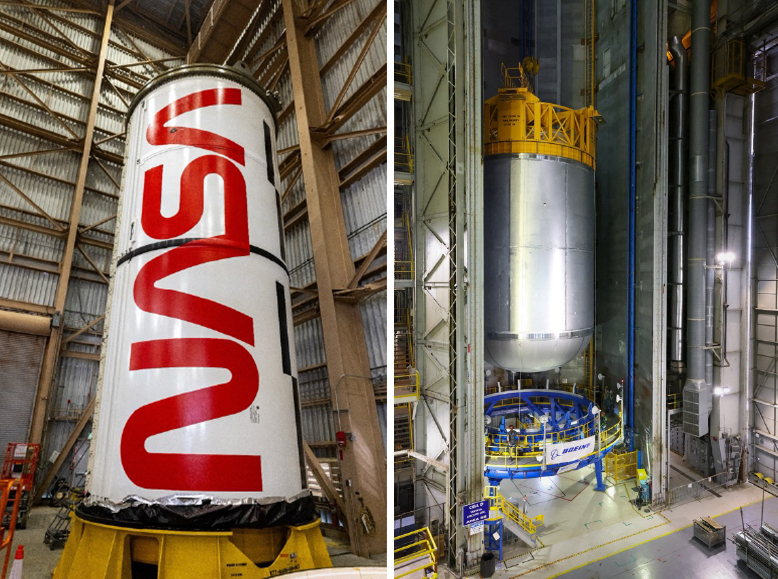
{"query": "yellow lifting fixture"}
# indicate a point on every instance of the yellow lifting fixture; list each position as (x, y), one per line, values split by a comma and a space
(516, 121)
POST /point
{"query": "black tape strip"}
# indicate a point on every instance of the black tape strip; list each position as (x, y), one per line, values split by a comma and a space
(271, 171)
(283, 328)
(178, 242)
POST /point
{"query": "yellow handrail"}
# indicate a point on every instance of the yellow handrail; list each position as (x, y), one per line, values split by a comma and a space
(511, 511)
(403, 72)
(403, 156)
(621, 467)
(407, 222)
(411, 356)
(423, 547)
(408, 384)
(505, 454)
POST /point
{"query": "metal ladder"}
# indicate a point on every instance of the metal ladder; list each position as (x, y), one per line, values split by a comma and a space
(589, 40)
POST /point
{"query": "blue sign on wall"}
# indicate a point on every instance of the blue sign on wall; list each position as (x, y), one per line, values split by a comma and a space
(475, 512)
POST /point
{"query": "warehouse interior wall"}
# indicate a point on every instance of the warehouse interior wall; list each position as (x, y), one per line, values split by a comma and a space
(765, 279)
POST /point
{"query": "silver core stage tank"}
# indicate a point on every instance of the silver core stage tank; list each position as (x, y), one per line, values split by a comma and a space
(538, 231)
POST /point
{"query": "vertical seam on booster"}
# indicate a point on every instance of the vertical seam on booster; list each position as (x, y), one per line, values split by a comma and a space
(281, 240)
(283, 329)
(271, 173)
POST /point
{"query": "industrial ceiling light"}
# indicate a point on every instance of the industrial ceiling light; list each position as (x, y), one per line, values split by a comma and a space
(618, 398)
(719, 391)
(726, 257)
(595, 410)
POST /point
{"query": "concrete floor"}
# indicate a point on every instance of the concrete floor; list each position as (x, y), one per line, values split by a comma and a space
(595, 534)
(681, 555)
(40, 561)
(570, 505)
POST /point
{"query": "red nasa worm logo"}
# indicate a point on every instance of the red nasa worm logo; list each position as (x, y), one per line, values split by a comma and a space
(177, 471)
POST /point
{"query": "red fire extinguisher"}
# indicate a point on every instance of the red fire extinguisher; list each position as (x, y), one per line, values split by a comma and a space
(340, 438)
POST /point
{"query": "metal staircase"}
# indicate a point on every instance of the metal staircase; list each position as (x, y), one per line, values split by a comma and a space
(403, 435)
(505, 514)
(403, 253)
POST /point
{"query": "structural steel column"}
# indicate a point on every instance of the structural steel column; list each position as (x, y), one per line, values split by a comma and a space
(363, 461)
(472, 467)
(51, 356)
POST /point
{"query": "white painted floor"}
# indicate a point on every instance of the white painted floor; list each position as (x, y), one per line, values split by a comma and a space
(419, 564)
(570, 505)
(583, 525)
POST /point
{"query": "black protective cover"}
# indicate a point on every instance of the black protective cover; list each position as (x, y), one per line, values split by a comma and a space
(204, 515)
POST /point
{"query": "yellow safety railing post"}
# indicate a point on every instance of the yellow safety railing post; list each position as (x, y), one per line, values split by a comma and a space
(422, 549)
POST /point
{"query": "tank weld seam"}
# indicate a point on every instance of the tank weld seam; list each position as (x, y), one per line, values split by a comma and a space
(539, 336)
(178, 242)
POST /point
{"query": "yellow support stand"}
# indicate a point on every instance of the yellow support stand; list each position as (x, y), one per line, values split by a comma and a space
(96, 551)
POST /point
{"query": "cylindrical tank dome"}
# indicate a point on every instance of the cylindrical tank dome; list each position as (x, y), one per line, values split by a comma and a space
(538, 231)
(198, 390)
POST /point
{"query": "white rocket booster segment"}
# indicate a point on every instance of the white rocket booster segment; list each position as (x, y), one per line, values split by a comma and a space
(198, 388)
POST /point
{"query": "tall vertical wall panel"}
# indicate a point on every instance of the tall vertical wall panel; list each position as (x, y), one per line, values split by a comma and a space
(765, 240)
(726, 408)
(651, 234)
(612, 190)
(612, 101)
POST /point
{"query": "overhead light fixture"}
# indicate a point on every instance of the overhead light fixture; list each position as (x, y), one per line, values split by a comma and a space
(719, 391)
(726, 257)
(618, 398)
(595, 410)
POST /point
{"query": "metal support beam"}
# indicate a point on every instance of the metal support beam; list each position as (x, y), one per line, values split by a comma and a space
(327, 487)
(52, 346)
(86, 416)
(380, 244)
(363, 461)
